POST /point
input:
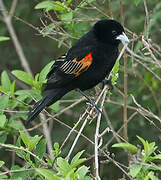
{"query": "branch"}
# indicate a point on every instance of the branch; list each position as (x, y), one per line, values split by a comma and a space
(13, 8)
(89, 116)
(47, 135)
(19, 50)
(56, 115)
(147, 20)
(16, 170)
(25, 150)
(125, 85)
(97, 135)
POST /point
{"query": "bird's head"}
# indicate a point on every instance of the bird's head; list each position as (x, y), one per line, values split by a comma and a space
(110, 31)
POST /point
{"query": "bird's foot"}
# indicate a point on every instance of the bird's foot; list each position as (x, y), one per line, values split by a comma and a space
(90, 101)
(107, 82)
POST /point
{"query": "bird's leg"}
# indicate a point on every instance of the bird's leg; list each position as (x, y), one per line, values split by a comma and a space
(90, 100)
(107, 82)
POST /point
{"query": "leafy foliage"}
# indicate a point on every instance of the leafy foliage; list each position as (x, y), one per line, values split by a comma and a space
(34, 153)
(147, 167)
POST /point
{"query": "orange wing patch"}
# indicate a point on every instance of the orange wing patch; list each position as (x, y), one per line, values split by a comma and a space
(77, 67)
(85, 62)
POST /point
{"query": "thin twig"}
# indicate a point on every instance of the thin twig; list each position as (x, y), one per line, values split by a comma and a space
(25, 150)
(13, 8)
(47, 135)
(56, 115)
(11, 97)
(84, 124)
(97, 135)
(118, 131)
(125, 84)
(110, 125)
(147, 20)
(136, 58)
(72, 130)
(110, 9)
(145, 111)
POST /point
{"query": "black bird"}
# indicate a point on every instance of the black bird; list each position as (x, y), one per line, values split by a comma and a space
(86, 63)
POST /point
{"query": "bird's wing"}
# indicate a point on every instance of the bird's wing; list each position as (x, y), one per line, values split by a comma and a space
(75, 67)
(56, 65)
(66, 68)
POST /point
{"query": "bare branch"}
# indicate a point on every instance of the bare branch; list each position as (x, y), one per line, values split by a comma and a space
(47, 135)
(25, 150)
(147, 20)
(97, 135)
(13, 8)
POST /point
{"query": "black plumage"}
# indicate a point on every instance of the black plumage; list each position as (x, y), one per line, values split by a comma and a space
(86, 63)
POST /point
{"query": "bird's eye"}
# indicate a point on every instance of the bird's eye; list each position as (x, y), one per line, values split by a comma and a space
(114, 32)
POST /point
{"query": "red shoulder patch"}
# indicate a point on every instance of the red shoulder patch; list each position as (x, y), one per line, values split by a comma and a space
(85, 63)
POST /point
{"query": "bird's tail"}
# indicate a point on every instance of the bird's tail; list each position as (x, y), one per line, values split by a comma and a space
(51, 97)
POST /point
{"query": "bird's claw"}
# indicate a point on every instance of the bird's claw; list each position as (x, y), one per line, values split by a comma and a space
(90, 101)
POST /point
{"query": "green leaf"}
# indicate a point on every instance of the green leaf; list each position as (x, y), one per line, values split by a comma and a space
(137, 2)
(149, 148)
(135, 170)
(144, 144)
(25, 139)
(41, 148)
(3, 121)
(55, 107)
(49, 161)
(23, 76)
(63, 165)
(48, 5)
(6, 83)
(56, 150)
(48, 174)
(33, 141)
(116, 67)
(69, 2)
(152, 176)
(76, 158)
(22, 175)
(14, 118)
(20, 153)
(115, 73)
(45, 71)
(56, 146)
(30, 93)
(48, 29)
(4, 38)
(157, 156)
(67, 16)
(129, 146)
(51, 5)
(58, 6)
(17, 125)
(3, 136)
(12, 88)
(3, 102)
(82, 171)
(1, 163)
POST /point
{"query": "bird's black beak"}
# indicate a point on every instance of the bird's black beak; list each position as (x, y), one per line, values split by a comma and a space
(123, 38)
